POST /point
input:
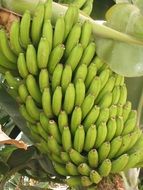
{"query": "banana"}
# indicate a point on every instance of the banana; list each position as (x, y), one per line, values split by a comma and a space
(137, 145)
(48, 10)
(73, 38)
(79, 92)
(60, 169)
(65, 157)
(22, 67)
(79, 4)
(105, 168)
(62, 120)
(75, 119)
(79, 137)
(53, 130)
(106, 100)
(88, 54)
(41, 131)
(104, 76)
(116, 94)
(47, 103)
(56, 158)
(93, 158)
(87, 105)
(119, 110)
(44, 121)
(95, 177)
(130, 124)
(59, 29)
(115, 146)
(25, 114)
(103, 116)
(66, 77)
(14, 37)
(71, 169)
(104, 67)
(98, 63)
(111, 129)
(5, 48)
(91, 73)
(85, 181)
(66, 139)
(119, 126)
(33, 88)
(69, 95)
(103, 151)
(43, 53)
(113, 111)
(75, 56)
(43, 79)
(56, 77)
(55, 57)
(53, 145)
(74, 181)
(119, 164)
(101, 134)
(84, 169)
(57, 100)
(95, 87)
(126, 110)
(23, 92)
(25, 29)
(87, 8)
(6, 64)
(31, 60)
(119, 80)
(76, 157)
(134, 138)
(86, 31)
(32, 108)
(91, 117)
(11, 80)
(123, 95)
(71, 17)
(90, 138)
(37, 23)
(80, 73)
(134, 159)
(47, 32)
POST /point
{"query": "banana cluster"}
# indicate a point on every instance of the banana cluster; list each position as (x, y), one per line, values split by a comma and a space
(75, 107)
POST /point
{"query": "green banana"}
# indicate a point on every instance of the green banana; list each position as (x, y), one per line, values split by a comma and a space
(120, 163)
(116, 94)
(119, 80)
(53, 145)
(103, 151)
(134, 138)
(56, 77)
(80, 73)
(87, 105)
(111, 129)
(86, 30)
(123, 95)
(79, 92)
(47, 103)
(75, 56)
(32, 108)
(11, 80)
(37, 23)
(106, 100)
(57, 100)
(93, 158)
(74, 181)
(65, 157)
(119, 126)
(23, 92)
(98, 63)
(25, 114)
(73, 38)
(60, 169)
(55, 57)
(48, 10)
(95, 177)
(119, 110)
(104, 76)
(43, 53)
(87, 8)
(66, 77)
(14, 37)
(66, 139)
(95, 87)
(41, 131)
(113, 111)
(71, 169)
(44, 121)
(75, 119)
(5, 48)
(6, 64)
(59, 29)
(105, 168)
(56, 158)
(85, 181)
(84, 169)
(130, 124)
(62, 120)
(126, 110)
(33, 88)
(101, 134)
(43, 79)
(79, 137)
(76, 157)
(31, 60)
(79, 3)
(25, 29)
(134, 159)
(91, 73)
(22, 67)
(115, 146)
(103, 116)
(90, 138)
(69, 95)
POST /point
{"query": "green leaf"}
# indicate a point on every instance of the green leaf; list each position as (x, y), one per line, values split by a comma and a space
(6, 151)
(4, 168)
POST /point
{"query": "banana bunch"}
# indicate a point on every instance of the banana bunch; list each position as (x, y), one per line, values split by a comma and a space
(75, 107)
